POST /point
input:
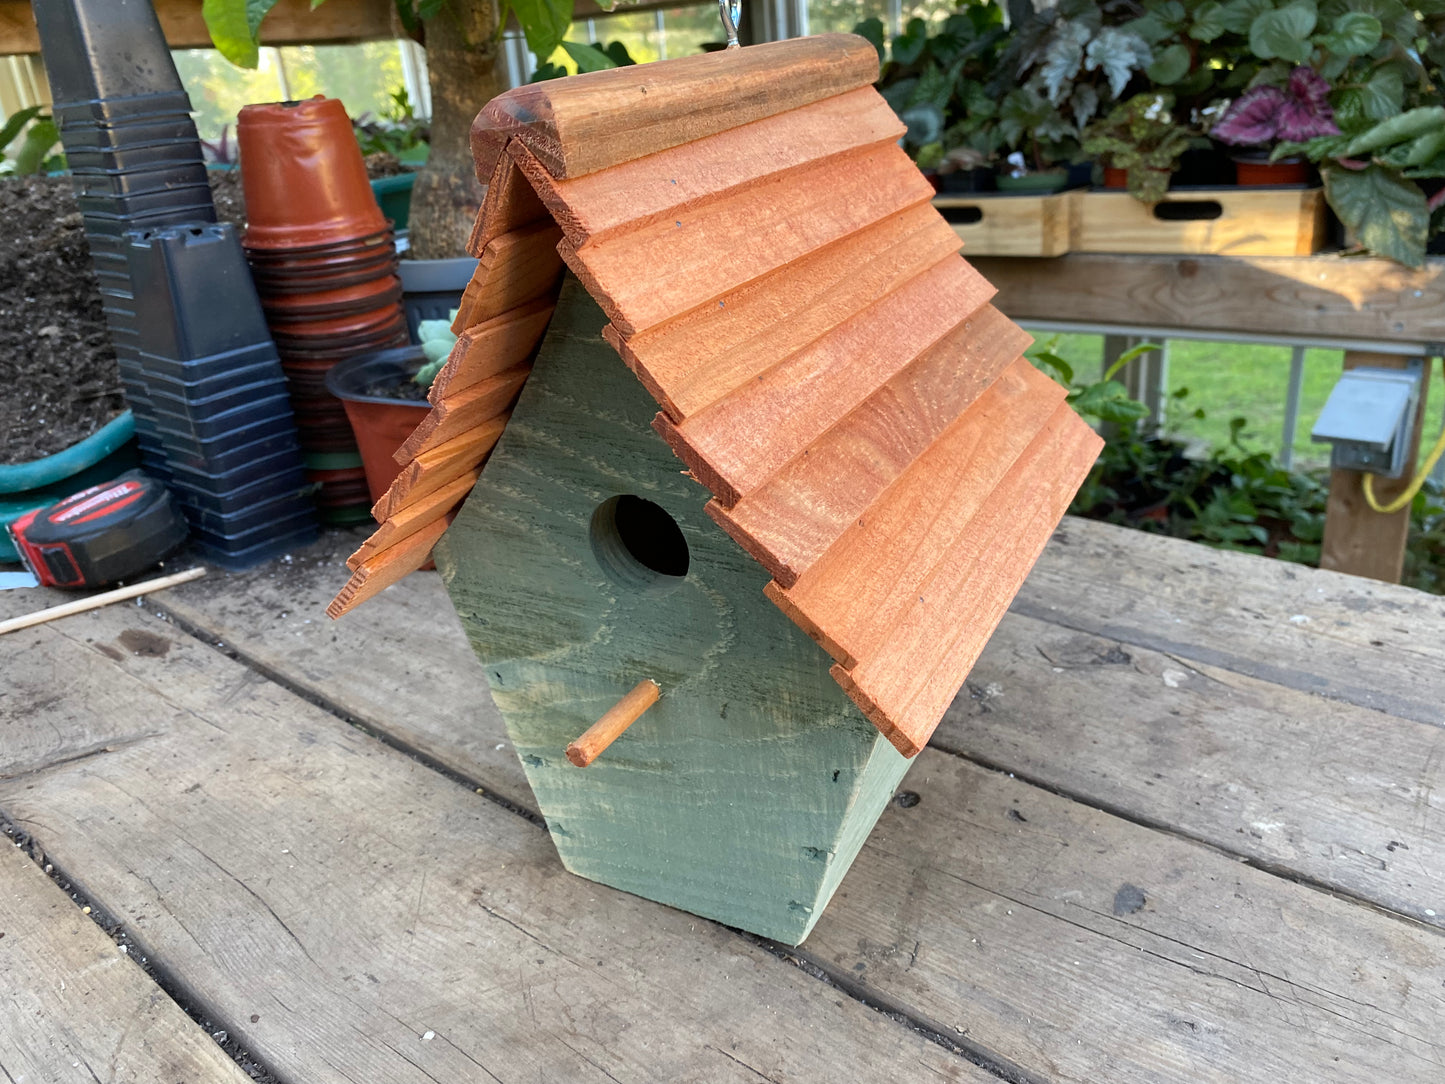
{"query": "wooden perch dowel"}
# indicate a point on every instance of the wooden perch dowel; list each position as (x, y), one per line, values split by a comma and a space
(120, 594)
(609, 728)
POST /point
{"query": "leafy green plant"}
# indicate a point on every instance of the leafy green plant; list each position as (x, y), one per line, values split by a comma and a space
(1141, 136)
(33, 154)
(1227, 497)
(588, 58)
(397, 131)
(935, 82)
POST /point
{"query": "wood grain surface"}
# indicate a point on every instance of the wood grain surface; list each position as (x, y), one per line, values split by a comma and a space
(692, 361)
(659, 271)
(1307, 296)
(606, 118)
(437, 466)
(907, 682)
(743, 439)
(75, 1006)
(643, 191)
(788, 521)
(350, 914)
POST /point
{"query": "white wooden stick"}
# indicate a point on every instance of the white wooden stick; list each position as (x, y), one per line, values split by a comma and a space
(80, 605)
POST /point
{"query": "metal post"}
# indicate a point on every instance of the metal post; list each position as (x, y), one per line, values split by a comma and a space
(1291, 405)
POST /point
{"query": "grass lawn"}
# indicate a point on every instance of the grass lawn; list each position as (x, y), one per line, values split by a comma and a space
(1233, 380)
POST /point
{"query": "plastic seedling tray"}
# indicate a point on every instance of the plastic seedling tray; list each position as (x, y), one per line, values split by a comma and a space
(170, 199)
(179, 272)
(166, 152)
(288, 481)
(140, 181)
(213, 372)
(234, 558)
(147, 131)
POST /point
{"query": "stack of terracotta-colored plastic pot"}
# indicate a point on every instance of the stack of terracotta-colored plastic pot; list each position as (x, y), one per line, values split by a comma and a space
(324, 262)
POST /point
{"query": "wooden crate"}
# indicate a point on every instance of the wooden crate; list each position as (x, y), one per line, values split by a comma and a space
(1008, 225)
(1230, 222)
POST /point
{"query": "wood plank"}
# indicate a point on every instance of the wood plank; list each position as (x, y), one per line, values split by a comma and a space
(437, 466)
(290, 22)
(413, 517)
(1005, 225)
(861, 587)
(1247, 222)
(515, 268)
(233, 845)
(644, 191)
(978, 576)
(74, 1001)
(606, 118)
(1308, 296)
(1312, 788)
(742, 440)
(693, 360)
(1067, 946)
(656, 272)
(923, 925)
(789, 521)
(380, 570)
(509, 204)
(1341, 637)
(1359, 540)
(404, 640)
(460, 412)
(491, 347)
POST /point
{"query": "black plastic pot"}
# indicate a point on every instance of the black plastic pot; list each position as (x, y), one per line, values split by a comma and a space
(107, 49)
(431, 289)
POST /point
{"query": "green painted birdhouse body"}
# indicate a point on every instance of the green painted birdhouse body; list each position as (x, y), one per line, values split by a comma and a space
(744, 794)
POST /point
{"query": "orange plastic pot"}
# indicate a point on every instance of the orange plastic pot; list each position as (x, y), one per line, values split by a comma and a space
(1114, 177)
(1253, 172)
(381, 425)
(303, 175)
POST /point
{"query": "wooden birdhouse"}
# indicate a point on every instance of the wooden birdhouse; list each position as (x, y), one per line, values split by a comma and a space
(743, 229)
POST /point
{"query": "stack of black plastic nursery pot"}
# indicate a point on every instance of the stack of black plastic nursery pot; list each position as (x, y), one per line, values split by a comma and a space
(198, 366)
(324, 261)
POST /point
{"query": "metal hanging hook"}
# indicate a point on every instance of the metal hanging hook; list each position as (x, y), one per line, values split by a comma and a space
(732, 14)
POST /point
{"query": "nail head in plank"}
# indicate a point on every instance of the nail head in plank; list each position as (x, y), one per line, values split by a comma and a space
(601, 119)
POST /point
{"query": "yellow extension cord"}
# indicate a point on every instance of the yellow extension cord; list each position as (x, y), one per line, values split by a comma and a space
(1406, 497)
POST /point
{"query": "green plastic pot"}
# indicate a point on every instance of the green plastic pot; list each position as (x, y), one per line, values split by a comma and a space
(24, 487)
(393, 196)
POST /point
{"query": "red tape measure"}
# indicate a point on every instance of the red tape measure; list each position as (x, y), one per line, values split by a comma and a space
(101, 534)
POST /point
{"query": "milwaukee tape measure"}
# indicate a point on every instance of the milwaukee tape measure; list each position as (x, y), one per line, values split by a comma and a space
(101, 534)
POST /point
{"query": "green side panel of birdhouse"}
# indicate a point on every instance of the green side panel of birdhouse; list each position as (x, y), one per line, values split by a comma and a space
(744, 794)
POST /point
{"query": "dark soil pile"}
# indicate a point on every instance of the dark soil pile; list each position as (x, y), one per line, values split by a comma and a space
(57, 367)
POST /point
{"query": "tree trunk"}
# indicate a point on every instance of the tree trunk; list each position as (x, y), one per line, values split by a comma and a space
(461, 52)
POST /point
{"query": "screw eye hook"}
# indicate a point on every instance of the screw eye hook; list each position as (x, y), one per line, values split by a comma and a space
(732, 14)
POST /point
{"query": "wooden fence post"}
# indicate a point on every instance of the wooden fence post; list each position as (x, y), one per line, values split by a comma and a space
(1359, 540)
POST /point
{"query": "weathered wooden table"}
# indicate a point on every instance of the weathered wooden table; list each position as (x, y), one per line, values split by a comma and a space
(1185, 823)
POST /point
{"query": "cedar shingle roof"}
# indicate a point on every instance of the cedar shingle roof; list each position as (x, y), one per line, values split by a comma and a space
(827, 365)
